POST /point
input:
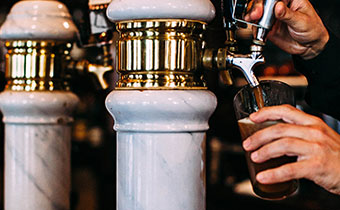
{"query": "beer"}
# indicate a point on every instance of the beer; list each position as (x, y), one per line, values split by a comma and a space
(259, 96)
(268, 191)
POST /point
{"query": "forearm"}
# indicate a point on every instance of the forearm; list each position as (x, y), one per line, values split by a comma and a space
(323, 75)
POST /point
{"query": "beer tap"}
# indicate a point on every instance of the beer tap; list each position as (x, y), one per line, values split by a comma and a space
(160, 105)
(224, 58)
(99, 39)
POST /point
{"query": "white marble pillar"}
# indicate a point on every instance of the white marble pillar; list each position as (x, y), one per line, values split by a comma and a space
(37, 113)
(161, 148)
(37, 149)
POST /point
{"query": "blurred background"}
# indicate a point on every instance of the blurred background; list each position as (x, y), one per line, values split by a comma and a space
(228, 187)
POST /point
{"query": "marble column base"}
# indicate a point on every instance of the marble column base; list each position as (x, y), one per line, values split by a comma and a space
(37, 149)
(161, 148)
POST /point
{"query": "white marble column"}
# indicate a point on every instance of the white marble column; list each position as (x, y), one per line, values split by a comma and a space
(161, 148)
(37, 149)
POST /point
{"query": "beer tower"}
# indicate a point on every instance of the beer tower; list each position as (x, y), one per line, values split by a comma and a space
(160, 106)
(37, 106)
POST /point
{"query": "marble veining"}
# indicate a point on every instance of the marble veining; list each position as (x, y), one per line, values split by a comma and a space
(161, 148)
(37, 149)
(39, 20)
(122, 10)
(37, 167)
(161, 171)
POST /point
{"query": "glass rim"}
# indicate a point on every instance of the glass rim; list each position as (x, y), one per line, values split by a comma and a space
(262, 81)
(245, 87)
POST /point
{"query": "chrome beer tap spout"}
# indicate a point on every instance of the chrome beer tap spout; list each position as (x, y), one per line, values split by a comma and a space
(222, 59)
(227, 58)
(246, 64)
(100, 41)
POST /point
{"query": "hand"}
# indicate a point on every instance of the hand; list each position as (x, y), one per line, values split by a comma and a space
(298, 29)
(316, 146)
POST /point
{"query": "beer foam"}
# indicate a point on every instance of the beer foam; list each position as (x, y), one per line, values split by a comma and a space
(245, 121)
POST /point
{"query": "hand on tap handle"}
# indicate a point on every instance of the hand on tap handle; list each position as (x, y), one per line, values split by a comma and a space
(298, 29)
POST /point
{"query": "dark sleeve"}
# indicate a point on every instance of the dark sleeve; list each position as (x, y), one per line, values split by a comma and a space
(323, 75)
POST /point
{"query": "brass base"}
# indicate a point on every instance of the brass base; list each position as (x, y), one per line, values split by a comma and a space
(35, 65)
(159, 80)
(160, 54)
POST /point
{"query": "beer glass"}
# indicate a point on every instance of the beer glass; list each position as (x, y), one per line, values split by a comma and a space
(245, 103)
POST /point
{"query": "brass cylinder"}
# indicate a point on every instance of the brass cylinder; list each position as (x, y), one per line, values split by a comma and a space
(160, 54)
(35, 65)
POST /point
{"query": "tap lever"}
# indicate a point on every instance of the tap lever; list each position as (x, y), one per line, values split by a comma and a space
(265, 23)
(246, 64)
(98, 70)
(223, 59)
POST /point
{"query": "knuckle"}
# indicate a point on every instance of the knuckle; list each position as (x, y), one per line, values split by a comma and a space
(318, 132)
(320, 157)
(280, 128)
(287, 108)
(264, 152)
(317, 164)
(285, 144)
(317, 148)
(289, 172)
(317, 120)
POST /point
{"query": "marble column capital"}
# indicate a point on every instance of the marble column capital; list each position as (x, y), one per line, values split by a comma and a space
(123, 10)
(45, 107)
(161, 111)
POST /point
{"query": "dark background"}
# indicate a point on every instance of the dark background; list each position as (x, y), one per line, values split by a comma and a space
(93, 140)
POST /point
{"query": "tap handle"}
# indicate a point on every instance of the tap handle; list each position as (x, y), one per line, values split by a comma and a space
(227, 11)
(268, 16)
(266, 22)
(85, 67)
(99, 22)
(99, 71)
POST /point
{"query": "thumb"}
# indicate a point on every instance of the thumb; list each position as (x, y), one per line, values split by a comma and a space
(286, 15)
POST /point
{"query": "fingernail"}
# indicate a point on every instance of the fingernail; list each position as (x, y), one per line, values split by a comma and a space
(281, 14)
(246, 144)
(254, 156)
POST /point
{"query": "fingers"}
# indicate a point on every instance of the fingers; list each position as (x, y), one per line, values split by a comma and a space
(284, 173)
(255, 12)
(298, 17)
(284, 146)
(283, 130)
(282, 12)
(287, 113)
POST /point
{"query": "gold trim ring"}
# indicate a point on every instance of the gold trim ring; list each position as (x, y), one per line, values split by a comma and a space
(160, 54)
(35, 65)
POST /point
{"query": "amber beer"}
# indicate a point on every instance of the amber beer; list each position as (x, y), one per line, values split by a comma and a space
(267, 191)
(258, 96)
